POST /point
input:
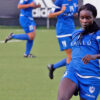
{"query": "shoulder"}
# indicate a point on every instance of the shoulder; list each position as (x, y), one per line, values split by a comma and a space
(98, 35)
(77, 32)
(23, 1)
(98, 32)
(58, 3)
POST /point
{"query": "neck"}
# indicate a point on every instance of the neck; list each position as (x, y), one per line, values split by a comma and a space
(92, 28)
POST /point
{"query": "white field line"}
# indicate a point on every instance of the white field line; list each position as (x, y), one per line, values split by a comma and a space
(11, 41)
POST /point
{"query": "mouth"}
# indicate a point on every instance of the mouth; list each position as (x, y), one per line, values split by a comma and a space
(84, 25)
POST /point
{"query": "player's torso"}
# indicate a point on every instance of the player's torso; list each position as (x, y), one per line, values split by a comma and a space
(65, 21)
(71, 8)
(80, 48)
(87, 43)
(27, 11)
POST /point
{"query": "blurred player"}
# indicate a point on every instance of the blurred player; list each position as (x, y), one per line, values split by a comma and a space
(27, 23)
(64, 10)
(83, 72)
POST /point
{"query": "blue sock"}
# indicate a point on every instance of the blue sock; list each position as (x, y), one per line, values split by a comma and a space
(60, 64)
(21, 36)
(29, 45)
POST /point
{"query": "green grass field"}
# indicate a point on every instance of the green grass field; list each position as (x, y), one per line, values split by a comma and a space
(27, 79)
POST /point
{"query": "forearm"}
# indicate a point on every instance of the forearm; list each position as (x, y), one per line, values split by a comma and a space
(23, 6)
(36, 6)
(97, 56)
(52, 15)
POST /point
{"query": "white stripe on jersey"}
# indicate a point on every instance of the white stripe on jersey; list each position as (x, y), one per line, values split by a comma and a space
(61, 36)
(21, 1)
(87, 76)
(65, 4)
(53, 8)
(98, 37)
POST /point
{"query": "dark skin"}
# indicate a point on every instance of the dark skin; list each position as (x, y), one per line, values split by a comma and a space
(87, 58)
(86, 19)
(67, 87)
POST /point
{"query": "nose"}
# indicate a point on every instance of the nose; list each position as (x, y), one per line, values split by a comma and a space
(84, 20)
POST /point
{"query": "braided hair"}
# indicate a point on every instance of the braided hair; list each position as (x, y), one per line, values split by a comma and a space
(92, 28)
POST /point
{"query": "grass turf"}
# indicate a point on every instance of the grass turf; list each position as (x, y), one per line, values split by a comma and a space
(27, 79)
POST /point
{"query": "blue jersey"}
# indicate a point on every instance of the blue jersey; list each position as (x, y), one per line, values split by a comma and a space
(65, 21)
(89, 44)
(26, 20)
(28, 11)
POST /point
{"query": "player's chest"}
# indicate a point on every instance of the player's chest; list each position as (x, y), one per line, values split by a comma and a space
(87, 40)
(70, 7)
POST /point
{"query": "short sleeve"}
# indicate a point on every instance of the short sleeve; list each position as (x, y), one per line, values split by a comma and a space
(58, 3)
(55, 9)
(23, 1)
(52, 10)
(98, 38)
(76, 6)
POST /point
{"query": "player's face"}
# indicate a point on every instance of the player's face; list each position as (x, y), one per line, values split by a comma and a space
(86, 18)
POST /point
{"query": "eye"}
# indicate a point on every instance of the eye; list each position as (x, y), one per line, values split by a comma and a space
(88, 18)
(81, 17)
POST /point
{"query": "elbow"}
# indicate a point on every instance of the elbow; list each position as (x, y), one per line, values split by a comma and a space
(50, 16)
(18, 7)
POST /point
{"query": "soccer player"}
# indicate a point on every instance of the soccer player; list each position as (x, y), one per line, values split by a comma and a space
(28, 24)
(83, 73)
(65, 11)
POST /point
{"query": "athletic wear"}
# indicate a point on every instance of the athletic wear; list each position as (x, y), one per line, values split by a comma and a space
(86, 76)
(51, 70)
(26, 19)
(9, 37)
(65, 22)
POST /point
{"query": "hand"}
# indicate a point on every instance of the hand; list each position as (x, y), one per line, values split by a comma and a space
(32, 4)
(35, 5)
(87, 58)
(63, 8)
(39, 5)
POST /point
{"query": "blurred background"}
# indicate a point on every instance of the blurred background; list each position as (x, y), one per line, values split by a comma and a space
(27, 79)
(9, 13)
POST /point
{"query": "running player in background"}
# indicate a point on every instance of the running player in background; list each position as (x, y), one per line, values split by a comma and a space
(83, 73)
(27, 23)
(65, 11)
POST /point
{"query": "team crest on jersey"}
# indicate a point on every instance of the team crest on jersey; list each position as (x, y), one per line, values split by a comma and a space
(91, 89)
